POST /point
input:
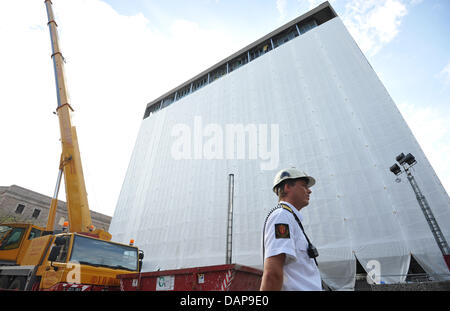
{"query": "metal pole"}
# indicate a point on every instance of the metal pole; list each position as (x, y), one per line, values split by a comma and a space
(298, 30)
(423, 203)
(54, 203)
(229, 248)
(435, 229)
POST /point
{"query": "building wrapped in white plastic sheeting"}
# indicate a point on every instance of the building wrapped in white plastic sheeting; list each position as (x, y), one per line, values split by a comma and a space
(303, 96)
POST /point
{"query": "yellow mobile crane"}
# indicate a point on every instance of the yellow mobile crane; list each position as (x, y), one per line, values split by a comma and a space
(80, 257)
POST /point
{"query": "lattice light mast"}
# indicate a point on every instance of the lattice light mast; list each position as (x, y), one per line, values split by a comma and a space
(407, 162)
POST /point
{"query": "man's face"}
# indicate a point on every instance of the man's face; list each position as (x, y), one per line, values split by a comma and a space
(299, 193)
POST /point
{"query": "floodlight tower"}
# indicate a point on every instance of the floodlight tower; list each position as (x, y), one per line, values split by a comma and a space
(407, 162)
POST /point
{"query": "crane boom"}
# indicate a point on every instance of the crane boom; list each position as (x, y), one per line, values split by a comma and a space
(76, 195)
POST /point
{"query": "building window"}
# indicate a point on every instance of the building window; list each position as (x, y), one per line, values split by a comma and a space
(19, 208)
(238, 61)
(168, 100)
(304, 27)
(219, 72)
(183, 92)
(260, 50)
(36, 213)
(285, 36)
(200, 83)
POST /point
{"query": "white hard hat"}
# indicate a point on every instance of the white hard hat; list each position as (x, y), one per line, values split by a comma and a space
(291, 173)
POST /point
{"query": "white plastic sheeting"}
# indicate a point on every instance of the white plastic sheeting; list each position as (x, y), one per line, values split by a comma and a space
(336, 121)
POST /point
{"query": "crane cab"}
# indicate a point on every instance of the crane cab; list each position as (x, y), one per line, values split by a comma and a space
(15, 239)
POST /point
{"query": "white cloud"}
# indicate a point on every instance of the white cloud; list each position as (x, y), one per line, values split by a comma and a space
(373, 23)
(444, 75)
(430, 128)
(115, 65)
(415, 2)
(281, 7)
(315, 3)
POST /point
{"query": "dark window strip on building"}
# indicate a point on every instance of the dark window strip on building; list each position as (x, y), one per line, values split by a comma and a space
(232, 65)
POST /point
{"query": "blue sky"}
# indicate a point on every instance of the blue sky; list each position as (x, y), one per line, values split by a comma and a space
(123, 54)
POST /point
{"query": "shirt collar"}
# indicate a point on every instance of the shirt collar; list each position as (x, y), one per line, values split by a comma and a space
(297, 212)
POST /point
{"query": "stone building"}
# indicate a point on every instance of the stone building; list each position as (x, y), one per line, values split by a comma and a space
(19, 204)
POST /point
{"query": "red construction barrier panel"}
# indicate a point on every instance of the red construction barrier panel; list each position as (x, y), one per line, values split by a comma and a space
(232, 277)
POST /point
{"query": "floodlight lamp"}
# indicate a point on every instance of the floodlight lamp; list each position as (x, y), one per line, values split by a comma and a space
(395, 169)
(400, 158)
(410, 159)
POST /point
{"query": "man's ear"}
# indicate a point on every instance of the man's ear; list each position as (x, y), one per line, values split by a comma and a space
(286, 188)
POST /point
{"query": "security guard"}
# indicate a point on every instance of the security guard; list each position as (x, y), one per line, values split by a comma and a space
(289, 256)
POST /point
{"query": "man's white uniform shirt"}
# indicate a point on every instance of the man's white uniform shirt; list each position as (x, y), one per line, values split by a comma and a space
(284, 235)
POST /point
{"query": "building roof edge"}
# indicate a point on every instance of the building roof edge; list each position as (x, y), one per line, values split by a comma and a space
(325, 5)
